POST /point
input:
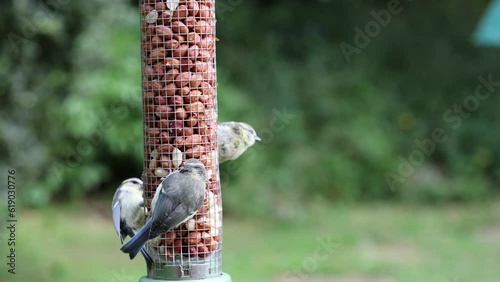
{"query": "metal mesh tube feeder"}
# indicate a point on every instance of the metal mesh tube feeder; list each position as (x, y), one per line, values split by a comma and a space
(180, 122)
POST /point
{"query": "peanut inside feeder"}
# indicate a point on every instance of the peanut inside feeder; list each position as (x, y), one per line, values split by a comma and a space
(180, 122)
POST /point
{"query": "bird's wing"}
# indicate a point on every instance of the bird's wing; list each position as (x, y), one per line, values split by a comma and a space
(164, 206)
(116, 218)
(167, 215)
(171, 220)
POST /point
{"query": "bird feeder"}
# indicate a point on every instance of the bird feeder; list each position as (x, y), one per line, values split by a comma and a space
(180, 122)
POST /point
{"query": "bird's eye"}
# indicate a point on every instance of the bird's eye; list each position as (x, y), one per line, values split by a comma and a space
(135, 182)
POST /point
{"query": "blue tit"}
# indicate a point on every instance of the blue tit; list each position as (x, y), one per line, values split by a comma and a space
(129, 213)
(233, 139)
(181, 195)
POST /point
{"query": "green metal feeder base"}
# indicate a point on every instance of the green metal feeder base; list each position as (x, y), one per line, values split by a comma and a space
(224, 277)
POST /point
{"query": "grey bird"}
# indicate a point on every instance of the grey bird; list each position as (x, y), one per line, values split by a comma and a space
(182, 194)
(233, 139)
(129, 213)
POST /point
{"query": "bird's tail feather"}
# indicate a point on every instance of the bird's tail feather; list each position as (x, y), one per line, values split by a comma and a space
(135, 244)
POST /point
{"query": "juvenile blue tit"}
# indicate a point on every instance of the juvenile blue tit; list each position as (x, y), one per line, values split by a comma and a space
(181, 195)
(129, 213)
(234, 138)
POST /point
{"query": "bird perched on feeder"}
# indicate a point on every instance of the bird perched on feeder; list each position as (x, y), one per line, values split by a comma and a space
(129, 213)
(234, 138)
(181, 195)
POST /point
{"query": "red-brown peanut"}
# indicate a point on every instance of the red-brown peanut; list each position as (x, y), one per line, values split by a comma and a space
(194, 238)
(178, 57)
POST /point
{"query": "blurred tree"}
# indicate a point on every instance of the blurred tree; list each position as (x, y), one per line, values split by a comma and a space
(71, 119)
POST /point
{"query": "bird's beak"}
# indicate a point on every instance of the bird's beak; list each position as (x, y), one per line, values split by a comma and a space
(257, 138)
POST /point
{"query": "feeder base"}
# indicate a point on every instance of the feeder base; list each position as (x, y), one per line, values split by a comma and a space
(224, 277)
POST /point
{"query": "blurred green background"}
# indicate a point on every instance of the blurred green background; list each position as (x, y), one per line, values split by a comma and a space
(347, 164)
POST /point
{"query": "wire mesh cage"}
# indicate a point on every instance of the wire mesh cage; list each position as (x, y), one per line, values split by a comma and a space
(180, 122)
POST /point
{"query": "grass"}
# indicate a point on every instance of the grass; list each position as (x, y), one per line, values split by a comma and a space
(450, 243)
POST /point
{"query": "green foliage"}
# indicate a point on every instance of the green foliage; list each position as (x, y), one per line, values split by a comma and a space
(71, 117)
(71, 114)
